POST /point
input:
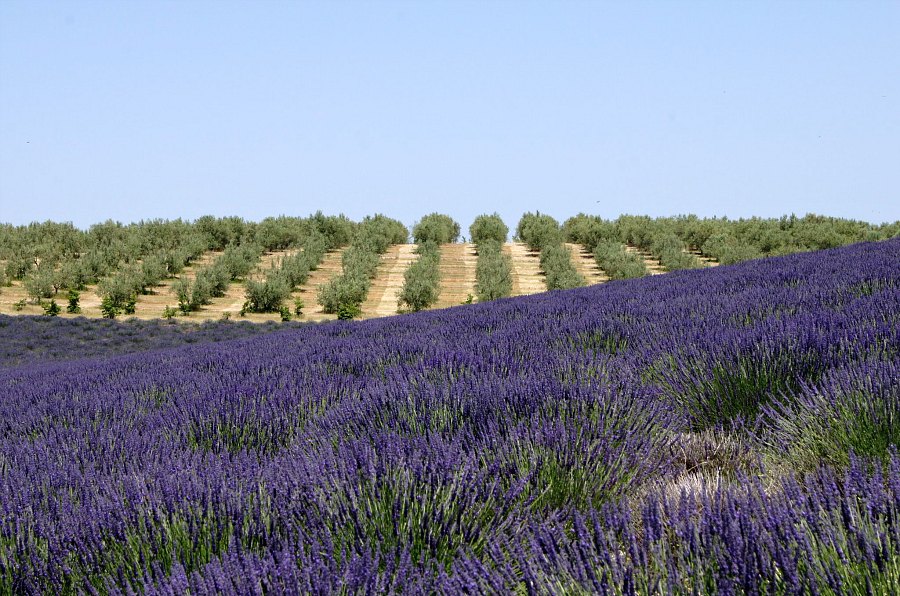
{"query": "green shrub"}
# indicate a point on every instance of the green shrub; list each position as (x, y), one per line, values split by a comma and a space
(51, 309)
(336, 230)
(348, 312)
(109, 309)
(437, 228)
(268, 295)
(73, 297)
(72, 275)
(618, 263)
(342, 291)
(493, 272)
(348, 291)
(18, 266)
(670, 251)
(560, 273)
(169, 313)
(285, 313)
(588, 230)
(538, 230)
(488, 228)
(421, 280)
(42, 283)
(120, 288)
(181, 287)
(129, 307)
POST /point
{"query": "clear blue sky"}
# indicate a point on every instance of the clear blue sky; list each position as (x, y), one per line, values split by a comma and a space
(131, 110)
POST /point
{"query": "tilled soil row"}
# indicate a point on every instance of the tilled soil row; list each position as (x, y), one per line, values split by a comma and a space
(457, 274)
(328, 269)
(526, 269)
(385, 289)
(586, 265)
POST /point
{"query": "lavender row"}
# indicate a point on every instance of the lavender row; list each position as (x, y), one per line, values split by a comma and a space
(529, 444)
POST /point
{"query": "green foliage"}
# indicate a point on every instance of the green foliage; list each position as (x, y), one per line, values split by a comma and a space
(345, 293)
(727, 249)
(493, 272)
(295, 268)
(377, 232)
(487, 228)
(826, 429)
(348, 311)
(670, 250)
(18, 266)
(73, 297)
(298, 307)
(336, 230)
(556, 262)
(421, 280)
(51, 309)
(42, 282)
(109, 308)
(618, 263)
(267, 296)
(542, 232)
(71, 275)
(588, 230)
(538, 231)
(217, 233)
(285, 313)
(19, 306)
(182, 288)
(129, 307)
(436, 228)
(169, 313)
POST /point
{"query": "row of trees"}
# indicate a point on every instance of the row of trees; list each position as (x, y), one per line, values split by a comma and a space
(617, 262)
(345, 294)
(542, 233)
(422, 279)
(269, 294)
(493, 270)
(728, 241)
(236, 262)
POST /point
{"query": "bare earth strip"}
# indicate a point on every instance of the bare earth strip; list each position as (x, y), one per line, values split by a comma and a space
(388, 281)
(652, 264)
(526, 270)
(328, 269)
(457, 274)
(586, 265)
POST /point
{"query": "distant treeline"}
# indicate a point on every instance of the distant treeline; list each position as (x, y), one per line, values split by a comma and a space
(124, 261)
(724, 240)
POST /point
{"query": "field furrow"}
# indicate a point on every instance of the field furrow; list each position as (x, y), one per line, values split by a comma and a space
(586, 265)
(526, 269)
(388, 281)
(457, 274)
(328, 269)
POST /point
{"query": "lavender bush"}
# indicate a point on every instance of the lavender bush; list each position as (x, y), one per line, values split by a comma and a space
(619, 438)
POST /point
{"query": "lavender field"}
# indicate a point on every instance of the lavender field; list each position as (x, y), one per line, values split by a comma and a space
(729, 430)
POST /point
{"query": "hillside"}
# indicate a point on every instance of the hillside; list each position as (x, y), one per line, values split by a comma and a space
(304, 268)
(723, 430)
